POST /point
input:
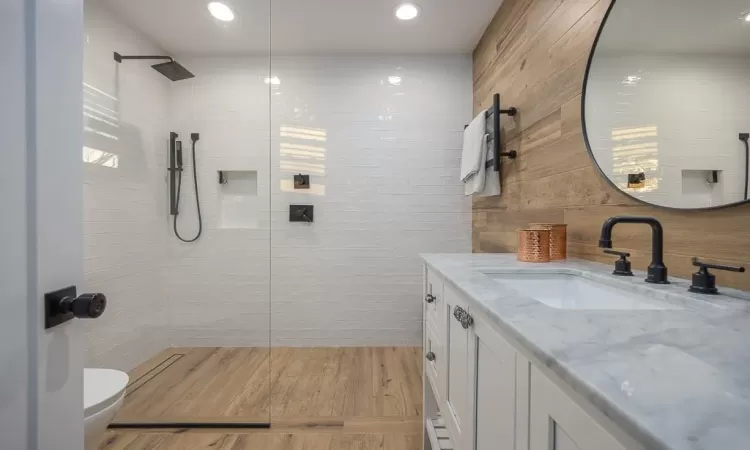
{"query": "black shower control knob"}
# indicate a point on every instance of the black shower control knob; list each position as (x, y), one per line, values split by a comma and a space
(85, 306)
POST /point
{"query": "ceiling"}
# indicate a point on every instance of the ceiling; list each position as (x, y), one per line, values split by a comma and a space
(184, 27)
(677, 26)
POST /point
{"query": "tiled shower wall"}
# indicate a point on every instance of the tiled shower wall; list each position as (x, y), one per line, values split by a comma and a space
(124, 198)
(380, 138)
(220, 284)
(386, 187)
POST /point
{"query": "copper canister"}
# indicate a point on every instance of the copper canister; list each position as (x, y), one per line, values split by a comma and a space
(533, 245)
(558, 239)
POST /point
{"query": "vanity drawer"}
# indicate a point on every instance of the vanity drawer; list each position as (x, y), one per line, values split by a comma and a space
(434, 363)
(433, 300)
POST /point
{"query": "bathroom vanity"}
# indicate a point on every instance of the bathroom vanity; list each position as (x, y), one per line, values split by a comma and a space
(566, 356)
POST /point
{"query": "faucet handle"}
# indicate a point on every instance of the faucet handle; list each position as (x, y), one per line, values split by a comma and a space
(697, 263)
(622, 266)
(704, 282)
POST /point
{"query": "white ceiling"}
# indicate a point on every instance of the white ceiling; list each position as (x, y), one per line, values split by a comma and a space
(682, 26)
(184, 27)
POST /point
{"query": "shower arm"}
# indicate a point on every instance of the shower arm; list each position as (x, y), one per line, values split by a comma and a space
(119, 57)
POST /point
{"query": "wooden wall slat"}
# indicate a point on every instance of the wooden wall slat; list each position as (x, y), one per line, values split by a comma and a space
(534, 53)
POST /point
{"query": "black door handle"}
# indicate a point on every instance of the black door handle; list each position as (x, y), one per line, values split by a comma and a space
(85, 306)
(63, 305)
(429, 298)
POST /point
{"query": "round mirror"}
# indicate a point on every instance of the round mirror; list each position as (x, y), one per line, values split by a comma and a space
(666, 102)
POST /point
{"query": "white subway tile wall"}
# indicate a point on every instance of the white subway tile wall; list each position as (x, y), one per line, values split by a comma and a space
(125, 110)
(380, 137)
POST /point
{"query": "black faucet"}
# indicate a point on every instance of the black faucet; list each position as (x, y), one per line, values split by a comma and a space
(657, 271)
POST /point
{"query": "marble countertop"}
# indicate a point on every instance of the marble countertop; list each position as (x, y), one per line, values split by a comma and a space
(671, 379)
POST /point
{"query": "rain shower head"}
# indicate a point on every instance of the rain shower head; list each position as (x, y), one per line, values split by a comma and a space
(170, 69)
(173, 70)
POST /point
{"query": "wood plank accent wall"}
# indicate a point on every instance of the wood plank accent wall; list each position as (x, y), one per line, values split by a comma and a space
(534, 53)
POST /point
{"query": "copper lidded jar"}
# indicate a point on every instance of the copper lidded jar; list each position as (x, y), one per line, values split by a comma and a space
(558, 239)
(533, 245)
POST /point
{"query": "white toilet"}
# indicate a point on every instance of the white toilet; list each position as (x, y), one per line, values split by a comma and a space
(103, 393)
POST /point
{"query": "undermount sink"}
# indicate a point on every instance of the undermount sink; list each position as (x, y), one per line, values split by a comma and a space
(566, 291)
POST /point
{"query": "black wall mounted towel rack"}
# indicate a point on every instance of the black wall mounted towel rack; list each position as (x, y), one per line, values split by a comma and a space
(493, 129)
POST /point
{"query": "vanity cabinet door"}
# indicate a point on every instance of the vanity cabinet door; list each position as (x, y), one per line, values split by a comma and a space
(495, 393)
(434, 363)
(557, 423)
(433, 301)
(461, 350)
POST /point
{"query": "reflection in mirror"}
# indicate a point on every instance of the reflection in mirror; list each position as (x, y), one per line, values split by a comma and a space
(667, 101)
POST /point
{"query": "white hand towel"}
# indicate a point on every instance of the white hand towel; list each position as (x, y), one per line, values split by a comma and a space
(475, 183)
(472, 156)
(491, 178)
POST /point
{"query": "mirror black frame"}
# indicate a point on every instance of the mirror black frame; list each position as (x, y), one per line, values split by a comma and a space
(588, 145)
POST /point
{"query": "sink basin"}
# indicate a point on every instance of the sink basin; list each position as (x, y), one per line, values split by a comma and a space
(565, 291)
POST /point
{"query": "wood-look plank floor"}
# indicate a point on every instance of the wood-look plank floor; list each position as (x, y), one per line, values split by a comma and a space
(261, 441)
(315, 398)
(199, 385)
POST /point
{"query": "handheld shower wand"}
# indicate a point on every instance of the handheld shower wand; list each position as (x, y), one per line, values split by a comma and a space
(176, 183)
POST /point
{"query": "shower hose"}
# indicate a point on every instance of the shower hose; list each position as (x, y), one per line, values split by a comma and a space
(193, 138)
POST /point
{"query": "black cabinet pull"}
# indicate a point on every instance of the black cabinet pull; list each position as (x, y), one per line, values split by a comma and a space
(430, 356)
(429, 298)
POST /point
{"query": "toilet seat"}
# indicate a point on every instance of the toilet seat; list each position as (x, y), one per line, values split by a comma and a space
(102, 388)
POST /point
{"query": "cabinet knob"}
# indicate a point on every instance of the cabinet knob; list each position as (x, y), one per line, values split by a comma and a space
(430, 356)
(463, 317)
(429, 298)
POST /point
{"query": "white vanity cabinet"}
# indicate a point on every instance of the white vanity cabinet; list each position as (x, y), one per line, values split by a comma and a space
(494, 393)
(475, 360)
(435, 351)
(558, 423)
(435, 362)
(489, 392)
(433, 299)
(461, 367)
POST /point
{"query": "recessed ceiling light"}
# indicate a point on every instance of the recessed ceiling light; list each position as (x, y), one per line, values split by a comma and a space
(394, 80)
(272, 80)
(221, 11)
(407, 11)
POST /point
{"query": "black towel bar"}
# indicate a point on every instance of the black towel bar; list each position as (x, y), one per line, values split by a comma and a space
(493, 114)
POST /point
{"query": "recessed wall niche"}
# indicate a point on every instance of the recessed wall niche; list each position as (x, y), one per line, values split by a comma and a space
(238, 199)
